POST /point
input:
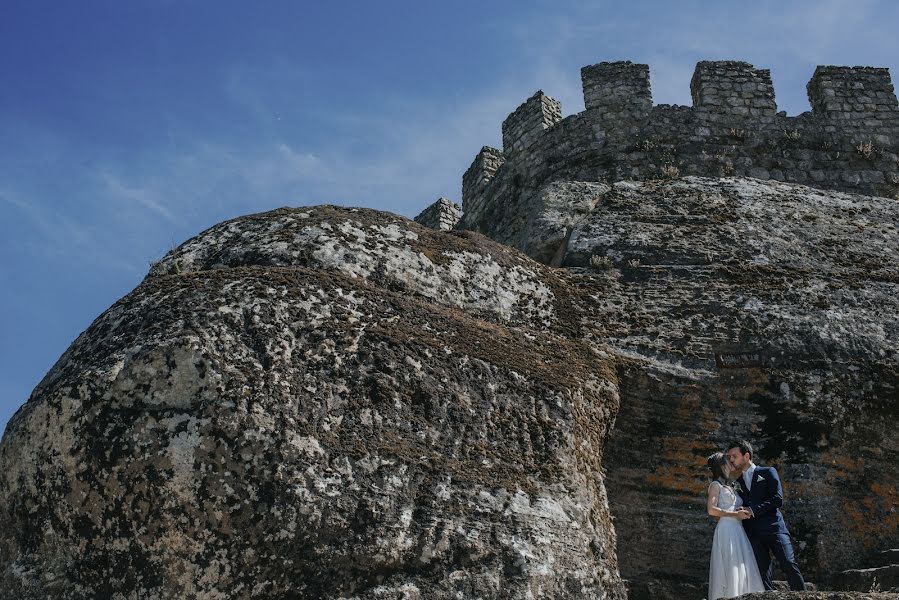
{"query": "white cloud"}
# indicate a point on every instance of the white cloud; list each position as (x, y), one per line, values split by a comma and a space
(49, 222)
(145, 197)
(43, 230)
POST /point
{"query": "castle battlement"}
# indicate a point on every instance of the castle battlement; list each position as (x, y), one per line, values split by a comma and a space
(848, 141)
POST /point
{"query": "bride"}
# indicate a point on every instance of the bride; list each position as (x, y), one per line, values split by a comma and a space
(733, 570)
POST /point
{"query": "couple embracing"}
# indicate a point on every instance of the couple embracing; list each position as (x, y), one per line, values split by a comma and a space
(746, 499)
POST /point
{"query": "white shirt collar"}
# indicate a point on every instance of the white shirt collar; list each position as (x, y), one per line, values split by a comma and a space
(747, 476)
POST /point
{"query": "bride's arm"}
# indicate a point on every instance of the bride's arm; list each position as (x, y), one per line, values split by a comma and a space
(711, 505)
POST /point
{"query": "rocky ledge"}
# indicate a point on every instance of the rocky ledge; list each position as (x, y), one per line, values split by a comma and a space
(820, 596)
(319, 403)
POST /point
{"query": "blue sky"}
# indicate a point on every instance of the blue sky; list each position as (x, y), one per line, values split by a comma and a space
(128, 127)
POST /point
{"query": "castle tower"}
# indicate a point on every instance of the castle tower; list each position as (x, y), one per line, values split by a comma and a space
(732, 88)
(857, 93)
(616, 88)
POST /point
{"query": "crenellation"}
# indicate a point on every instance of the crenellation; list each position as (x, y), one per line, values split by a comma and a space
(853, 93)
(733, 88)
(849, 141)
(614, 89)
(522, 128)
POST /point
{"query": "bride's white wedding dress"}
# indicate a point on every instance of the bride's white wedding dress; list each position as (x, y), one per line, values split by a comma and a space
(733, 570)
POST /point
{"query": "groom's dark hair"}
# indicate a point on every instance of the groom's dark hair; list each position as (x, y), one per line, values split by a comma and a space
(744, 446)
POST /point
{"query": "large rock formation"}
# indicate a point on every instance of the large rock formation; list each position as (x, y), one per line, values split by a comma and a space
(319, 403)
(881, 573)
(331, 403)
(736, 308)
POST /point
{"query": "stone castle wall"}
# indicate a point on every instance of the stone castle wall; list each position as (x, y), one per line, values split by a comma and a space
(849, 141)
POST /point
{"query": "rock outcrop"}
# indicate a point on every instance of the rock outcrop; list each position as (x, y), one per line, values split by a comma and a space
(820, 596)
(881, 573)
(737, 308)
(319, 403)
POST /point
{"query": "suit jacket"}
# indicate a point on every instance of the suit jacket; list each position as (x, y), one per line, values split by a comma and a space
(764, 498)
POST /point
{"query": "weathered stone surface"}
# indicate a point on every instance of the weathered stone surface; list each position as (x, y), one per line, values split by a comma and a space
(671, 589)
(318, 403)
(678, 589)
(886, 558)
(744, 308)
(442, 214)
(885, 578)
(457, 270)
(540, 225)
(819, 596)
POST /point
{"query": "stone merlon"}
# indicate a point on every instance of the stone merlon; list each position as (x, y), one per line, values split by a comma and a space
(852, 93)
(521, 128)
(616, 86)
(731, 87)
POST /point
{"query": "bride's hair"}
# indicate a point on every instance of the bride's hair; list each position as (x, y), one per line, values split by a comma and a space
(716, 465)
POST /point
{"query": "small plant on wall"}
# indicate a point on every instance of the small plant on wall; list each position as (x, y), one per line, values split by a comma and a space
(598, 261)
(670, 172)
(866, 149)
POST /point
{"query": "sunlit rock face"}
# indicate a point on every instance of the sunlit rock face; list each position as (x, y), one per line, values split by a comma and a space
(319, 403)
(736, 308)
(820, 596)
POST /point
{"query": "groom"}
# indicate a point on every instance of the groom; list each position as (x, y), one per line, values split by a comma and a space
(761, 492)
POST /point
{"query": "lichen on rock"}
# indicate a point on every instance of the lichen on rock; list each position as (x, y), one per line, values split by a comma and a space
(318, 403)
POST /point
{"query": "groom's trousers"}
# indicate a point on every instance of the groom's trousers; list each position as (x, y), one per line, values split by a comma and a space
(765, 544)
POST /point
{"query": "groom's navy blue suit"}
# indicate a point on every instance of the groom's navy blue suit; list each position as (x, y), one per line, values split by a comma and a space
(767, 530)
